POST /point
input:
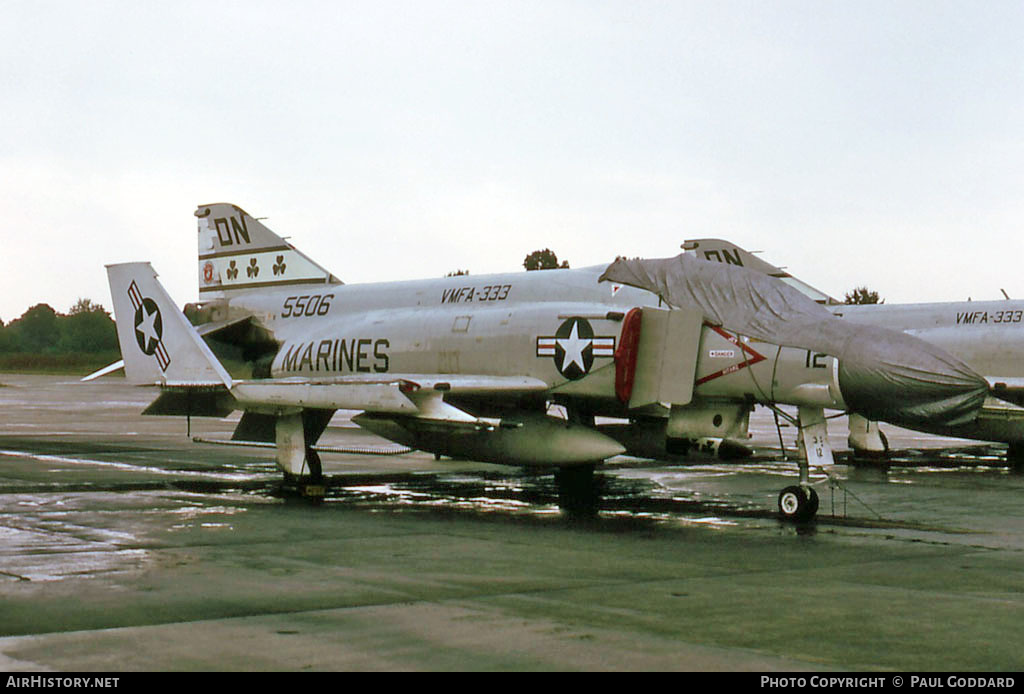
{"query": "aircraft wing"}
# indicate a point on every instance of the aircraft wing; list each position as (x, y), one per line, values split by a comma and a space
(412, 394)
(208, 329)
(416, 395)
(411, 409)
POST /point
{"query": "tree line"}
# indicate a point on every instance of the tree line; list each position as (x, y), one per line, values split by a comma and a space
(43, 337)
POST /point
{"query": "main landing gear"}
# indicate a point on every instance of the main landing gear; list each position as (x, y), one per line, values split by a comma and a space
(1015, 457)
(303, 471)
(578, 490)
(310, 485)
(866, 440)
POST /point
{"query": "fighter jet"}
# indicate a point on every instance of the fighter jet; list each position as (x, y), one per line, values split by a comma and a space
(470, 366)
(986, 335)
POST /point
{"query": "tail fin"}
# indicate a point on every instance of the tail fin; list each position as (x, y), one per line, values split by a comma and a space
(158, 344)
(731, 254)
(238, 253)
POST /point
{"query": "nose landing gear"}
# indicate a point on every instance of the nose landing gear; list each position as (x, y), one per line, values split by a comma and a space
(799, 503)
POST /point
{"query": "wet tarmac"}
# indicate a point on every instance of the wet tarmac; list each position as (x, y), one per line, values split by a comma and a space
(126, 546)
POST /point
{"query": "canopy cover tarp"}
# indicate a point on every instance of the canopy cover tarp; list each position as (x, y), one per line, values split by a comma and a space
(883, 374)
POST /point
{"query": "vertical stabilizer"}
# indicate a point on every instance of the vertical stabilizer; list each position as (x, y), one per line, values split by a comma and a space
(718, 250)
(238, 253)
(158, 344)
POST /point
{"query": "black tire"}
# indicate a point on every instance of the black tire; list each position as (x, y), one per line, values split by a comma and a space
(316, 470)
(812, 503)
(578, 490)
(798, 504)
(1015, 457)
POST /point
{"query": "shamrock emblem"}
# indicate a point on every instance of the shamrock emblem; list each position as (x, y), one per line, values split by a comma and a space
(253, 269)
(232, 271)
(279, 265)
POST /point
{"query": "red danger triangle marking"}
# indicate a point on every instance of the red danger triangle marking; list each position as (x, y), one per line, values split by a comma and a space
(755, 357)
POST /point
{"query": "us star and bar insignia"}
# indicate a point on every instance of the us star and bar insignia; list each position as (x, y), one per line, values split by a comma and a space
(149, 327)
(574, 347)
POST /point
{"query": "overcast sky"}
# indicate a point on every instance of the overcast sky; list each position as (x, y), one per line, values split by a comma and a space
(877, 143)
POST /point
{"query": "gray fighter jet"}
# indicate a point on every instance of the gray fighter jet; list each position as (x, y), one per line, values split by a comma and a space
(469, 366)
(986, 335)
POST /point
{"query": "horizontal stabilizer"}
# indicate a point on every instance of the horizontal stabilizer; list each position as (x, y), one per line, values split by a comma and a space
(109, 369)
(193, 402)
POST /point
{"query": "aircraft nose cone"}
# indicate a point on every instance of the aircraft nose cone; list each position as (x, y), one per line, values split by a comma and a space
(912, 383)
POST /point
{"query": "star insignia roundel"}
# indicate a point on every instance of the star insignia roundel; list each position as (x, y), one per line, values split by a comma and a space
(574, 347)
(149, 326)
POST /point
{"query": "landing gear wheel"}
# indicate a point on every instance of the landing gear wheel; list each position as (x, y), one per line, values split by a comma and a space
(812, 503)
(314, 488)
(798, 503)
(578, 491)
(1015, 457)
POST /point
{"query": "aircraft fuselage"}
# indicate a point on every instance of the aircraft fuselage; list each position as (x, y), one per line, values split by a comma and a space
(561, 327)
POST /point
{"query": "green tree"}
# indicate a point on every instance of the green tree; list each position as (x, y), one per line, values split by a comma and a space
(87, 328)
(862, 295)
(85, 306)
(543, 260)
(37, 329)
(457, 273)
(8, 339)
